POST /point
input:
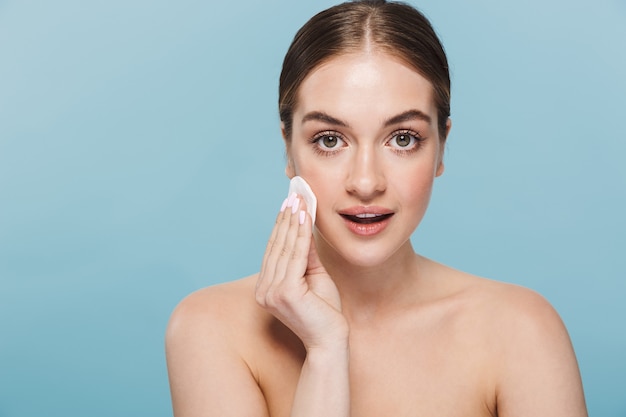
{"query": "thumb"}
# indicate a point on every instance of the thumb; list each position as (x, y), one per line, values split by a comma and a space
(319, 280)
(314, 263)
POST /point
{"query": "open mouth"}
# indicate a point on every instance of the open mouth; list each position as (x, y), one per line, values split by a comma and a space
(366, 218)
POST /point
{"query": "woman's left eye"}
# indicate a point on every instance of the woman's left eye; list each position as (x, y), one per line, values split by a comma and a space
(404, 140)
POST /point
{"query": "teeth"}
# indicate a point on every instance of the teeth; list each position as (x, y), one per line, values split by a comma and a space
(367, 215)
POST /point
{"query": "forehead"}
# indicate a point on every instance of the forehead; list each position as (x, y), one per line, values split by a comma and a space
(370, 84)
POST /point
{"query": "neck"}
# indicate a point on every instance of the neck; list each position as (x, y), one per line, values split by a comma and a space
(373, 289)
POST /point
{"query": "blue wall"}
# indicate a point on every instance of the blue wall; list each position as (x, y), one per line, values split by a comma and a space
(140, 159)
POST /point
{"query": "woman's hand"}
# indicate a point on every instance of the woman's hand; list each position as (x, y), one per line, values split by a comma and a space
(293, 284)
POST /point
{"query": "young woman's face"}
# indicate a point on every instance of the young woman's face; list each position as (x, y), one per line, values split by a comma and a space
(365, 138)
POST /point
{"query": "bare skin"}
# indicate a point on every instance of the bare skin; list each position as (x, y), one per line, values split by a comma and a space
(344, 319)
(480, 348)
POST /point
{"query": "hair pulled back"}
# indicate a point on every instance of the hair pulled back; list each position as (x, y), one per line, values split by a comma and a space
(393, 27)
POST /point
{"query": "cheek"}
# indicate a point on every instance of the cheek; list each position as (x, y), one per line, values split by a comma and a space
(415, 186)
(418, 195)
(316, 170)
(322, 185)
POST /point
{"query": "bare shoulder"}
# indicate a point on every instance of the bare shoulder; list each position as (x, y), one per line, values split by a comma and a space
(514, 302)
(508, 307)
(519, 315)
(532, 361)
(224, 316)
(207, 343)
(221, 304)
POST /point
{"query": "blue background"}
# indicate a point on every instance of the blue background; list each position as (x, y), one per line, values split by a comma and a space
(140, 160)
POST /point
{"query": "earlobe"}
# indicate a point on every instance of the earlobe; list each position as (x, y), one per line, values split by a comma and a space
(289, 171)
(440, 169)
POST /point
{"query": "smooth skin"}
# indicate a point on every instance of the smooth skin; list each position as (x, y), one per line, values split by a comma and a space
(346, 320)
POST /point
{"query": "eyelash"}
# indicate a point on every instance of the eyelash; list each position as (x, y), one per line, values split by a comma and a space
(317, 147)
(416, 137)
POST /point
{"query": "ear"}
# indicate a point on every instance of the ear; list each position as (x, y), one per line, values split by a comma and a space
(290, 170)
(440, 167)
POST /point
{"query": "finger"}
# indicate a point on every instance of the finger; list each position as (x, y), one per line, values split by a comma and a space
(279, 216)
(275, 243)
(277, 295)
(278, 249)
(290, 286)
(297, 266)
(285, 255)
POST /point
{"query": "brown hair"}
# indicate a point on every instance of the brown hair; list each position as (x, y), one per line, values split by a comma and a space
(394, 27)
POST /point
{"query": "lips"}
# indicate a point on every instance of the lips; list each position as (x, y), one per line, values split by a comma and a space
(366, 218)
(366, 221)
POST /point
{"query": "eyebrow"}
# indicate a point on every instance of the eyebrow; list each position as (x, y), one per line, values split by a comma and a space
(323, 117)
(406, 116)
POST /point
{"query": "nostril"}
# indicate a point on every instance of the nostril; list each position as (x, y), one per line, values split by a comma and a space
(366, 177)
(366, 187)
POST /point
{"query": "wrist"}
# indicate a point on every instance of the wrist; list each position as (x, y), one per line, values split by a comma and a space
(328, 364)
(329, 350)
(335, 340)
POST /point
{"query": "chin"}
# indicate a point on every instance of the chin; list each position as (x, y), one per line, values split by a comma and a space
(362, 254)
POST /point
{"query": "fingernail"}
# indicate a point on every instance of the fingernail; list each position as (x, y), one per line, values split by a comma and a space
(302, 216)
(291, 199)
(284, 206)
(294, 208)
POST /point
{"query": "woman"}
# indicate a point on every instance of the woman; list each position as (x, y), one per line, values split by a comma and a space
(344, 318)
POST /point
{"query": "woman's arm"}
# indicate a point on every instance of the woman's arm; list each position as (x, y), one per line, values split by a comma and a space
(208, 373)
(294, 286)
(538, 374)
(208, 376)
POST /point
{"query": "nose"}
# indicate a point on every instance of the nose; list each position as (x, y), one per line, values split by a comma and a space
(366, 178)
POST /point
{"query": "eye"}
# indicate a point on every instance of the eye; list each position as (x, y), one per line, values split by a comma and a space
(404, 140)
(329, 141)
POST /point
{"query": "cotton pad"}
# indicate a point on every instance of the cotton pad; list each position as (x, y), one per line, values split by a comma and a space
(299, 186)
